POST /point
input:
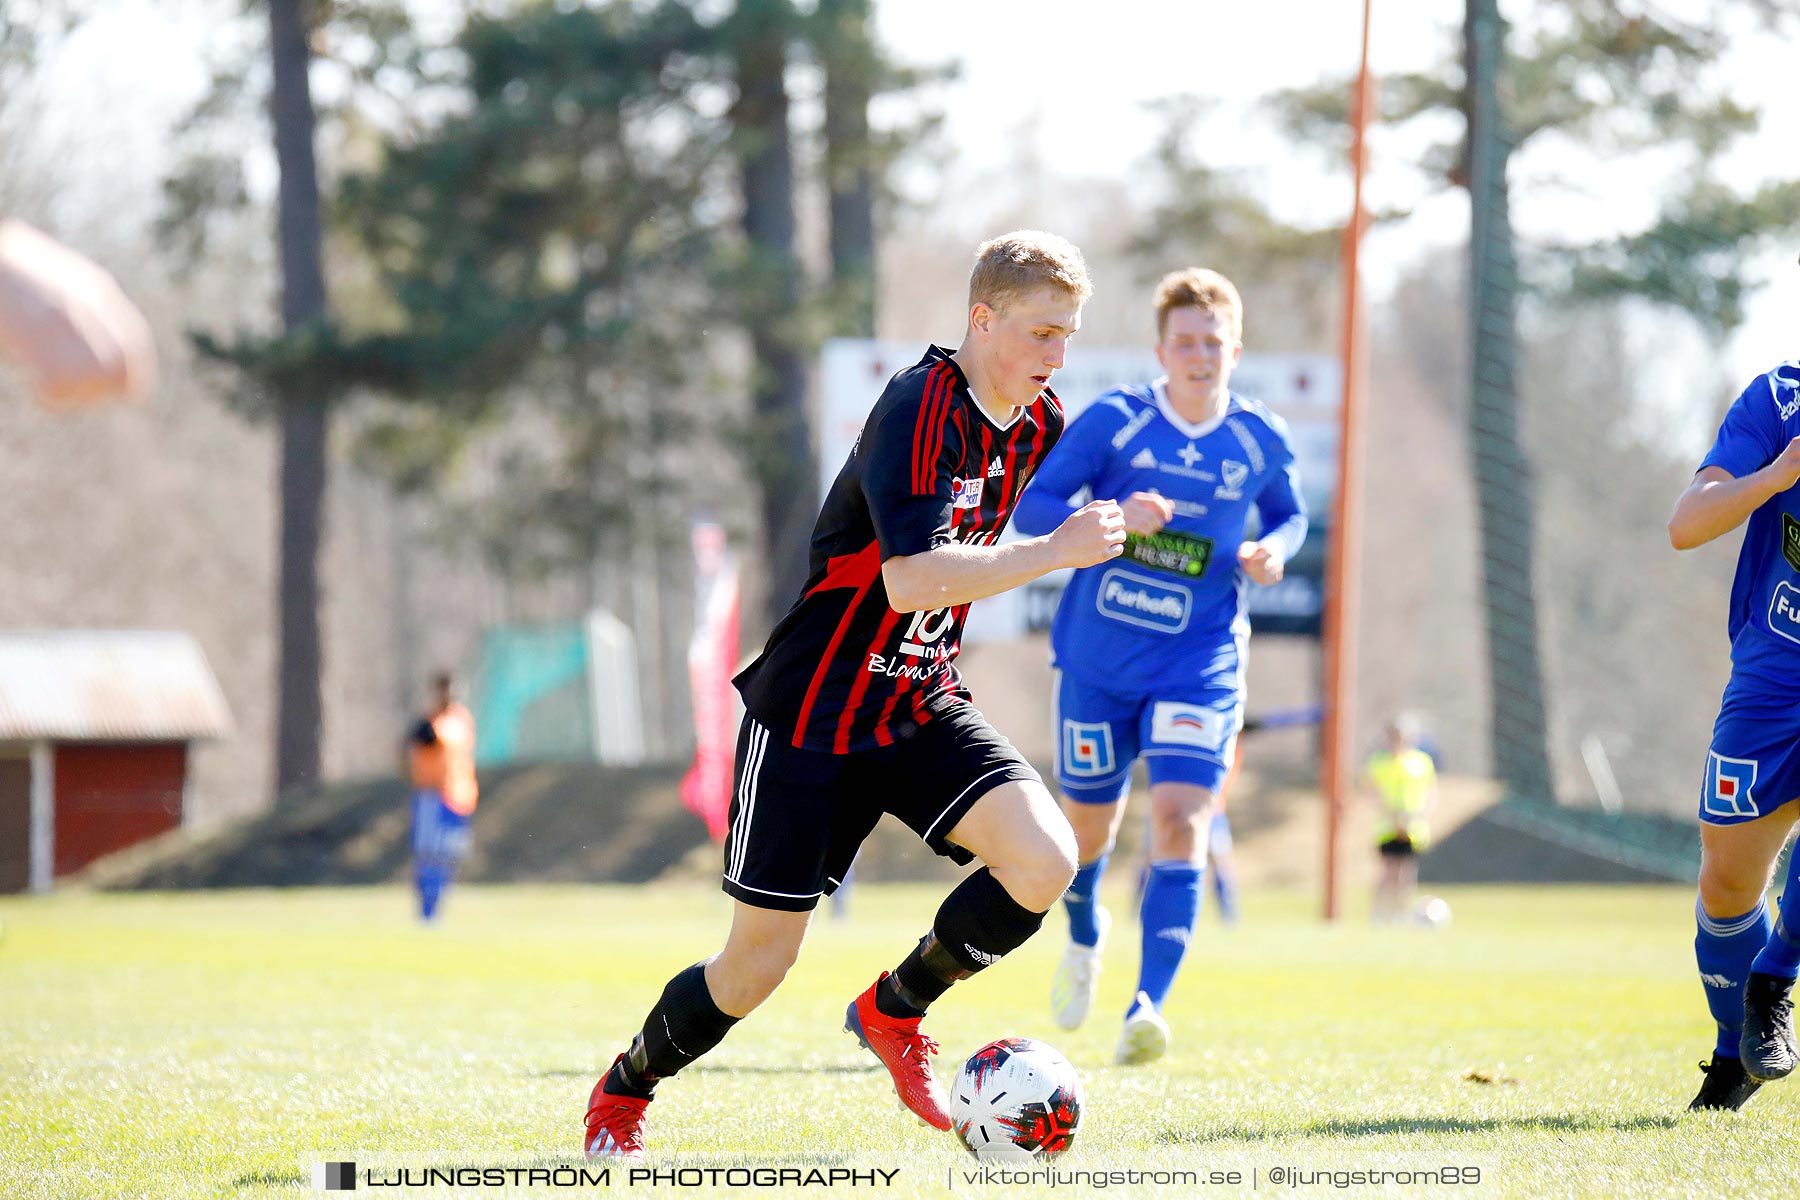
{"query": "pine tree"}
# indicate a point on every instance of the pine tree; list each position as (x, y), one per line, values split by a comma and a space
(1619, 80)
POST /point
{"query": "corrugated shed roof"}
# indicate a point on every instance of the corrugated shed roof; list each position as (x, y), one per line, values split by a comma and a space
(109, 686)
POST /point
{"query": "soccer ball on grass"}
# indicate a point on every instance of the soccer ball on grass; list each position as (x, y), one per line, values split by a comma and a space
(1016, 1099)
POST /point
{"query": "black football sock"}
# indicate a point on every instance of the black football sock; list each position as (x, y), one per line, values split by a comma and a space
(620, 1079)
(906, 1003)
(683, 1025)
(977, 925)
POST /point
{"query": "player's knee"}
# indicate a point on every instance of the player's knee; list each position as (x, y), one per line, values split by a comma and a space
(743, 977)
(1037, 876)
(1176, 841)
(1093, 829)
(763, 978)
(1178, 831)
(1181, 802)
(1052, 871)
(1091, 844)
(1729, 889)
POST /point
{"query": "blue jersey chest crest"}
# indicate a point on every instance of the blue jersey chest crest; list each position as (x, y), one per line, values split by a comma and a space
(1209, 479)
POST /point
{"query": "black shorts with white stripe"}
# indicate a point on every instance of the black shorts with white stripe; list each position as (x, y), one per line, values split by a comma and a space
(798, 816)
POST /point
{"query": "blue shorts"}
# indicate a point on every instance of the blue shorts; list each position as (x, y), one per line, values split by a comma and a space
(439, 832)
(1183, 737)
(1753, 765)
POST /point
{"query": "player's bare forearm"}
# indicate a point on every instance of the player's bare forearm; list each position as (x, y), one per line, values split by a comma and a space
(1717, 502)
(955, 574)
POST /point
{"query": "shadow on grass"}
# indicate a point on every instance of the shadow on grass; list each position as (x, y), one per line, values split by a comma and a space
(725, 1069)
(271, 1179)
(819, 1069)
(1383, 1126)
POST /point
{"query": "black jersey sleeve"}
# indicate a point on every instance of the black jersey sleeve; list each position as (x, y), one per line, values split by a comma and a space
(912, 452)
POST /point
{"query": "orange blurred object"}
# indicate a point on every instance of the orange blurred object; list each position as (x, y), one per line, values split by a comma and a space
(65, 321)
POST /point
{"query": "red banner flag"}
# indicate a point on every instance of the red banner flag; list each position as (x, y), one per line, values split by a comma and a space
(712, 659)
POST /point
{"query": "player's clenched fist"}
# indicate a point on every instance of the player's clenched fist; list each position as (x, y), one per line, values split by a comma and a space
(1093, 533)
(1147, 512)
(1785, 470)
(1260, 563)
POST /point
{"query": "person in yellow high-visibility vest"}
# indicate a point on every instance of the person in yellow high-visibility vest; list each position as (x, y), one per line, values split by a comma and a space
(1404, 782)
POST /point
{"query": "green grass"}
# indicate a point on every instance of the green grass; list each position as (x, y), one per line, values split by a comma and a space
(218, 1044)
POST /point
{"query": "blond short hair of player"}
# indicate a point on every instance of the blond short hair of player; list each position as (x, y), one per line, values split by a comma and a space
(1014, 265)
(1197, 287)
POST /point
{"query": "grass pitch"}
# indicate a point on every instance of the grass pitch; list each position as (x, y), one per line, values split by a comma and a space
(219, 1044)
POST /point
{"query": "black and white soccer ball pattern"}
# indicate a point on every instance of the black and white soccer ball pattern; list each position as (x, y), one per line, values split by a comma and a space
(1016, 1099)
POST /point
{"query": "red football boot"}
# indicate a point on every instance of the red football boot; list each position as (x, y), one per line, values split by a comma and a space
(615, 1124)
(904, 1051)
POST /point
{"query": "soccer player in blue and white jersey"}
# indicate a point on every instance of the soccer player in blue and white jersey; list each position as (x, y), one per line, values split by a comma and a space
(1150, 648)
(1747, 960)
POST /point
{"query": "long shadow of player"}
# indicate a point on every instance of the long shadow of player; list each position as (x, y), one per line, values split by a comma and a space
(1384, 1126)
(844, 1068)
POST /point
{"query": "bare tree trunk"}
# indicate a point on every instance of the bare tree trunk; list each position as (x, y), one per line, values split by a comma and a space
(1502, 472)
(849, 84)
(300, 717)
(786, 470)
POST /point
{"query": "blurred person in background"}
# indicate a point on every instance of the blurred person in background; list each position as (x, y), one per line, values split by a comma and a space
(441, 763)
(1747, 957)
(67, 323)
(1402, 780)
(1150, 652)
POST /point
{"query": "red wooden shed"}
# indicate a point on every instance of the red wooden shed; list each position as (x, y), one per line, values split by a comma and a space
(95, 728)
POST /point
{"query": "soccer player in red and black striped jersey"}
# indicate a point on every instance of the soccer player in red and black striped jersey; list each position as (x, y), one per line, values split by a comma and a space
(855, 707)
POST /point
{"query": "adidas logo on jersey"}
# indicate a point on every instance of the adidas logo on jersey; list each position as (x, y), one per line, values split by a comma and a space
(1145, 460)
(995, 470)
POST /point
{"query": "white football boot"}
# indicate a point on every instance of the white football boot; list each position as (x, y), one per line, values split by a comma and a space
(1077, 979)
(1145, 1037)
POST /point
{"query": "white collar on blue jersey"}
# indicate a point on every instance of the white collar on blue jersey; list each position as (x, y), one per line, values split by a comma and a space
(1160, 389)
